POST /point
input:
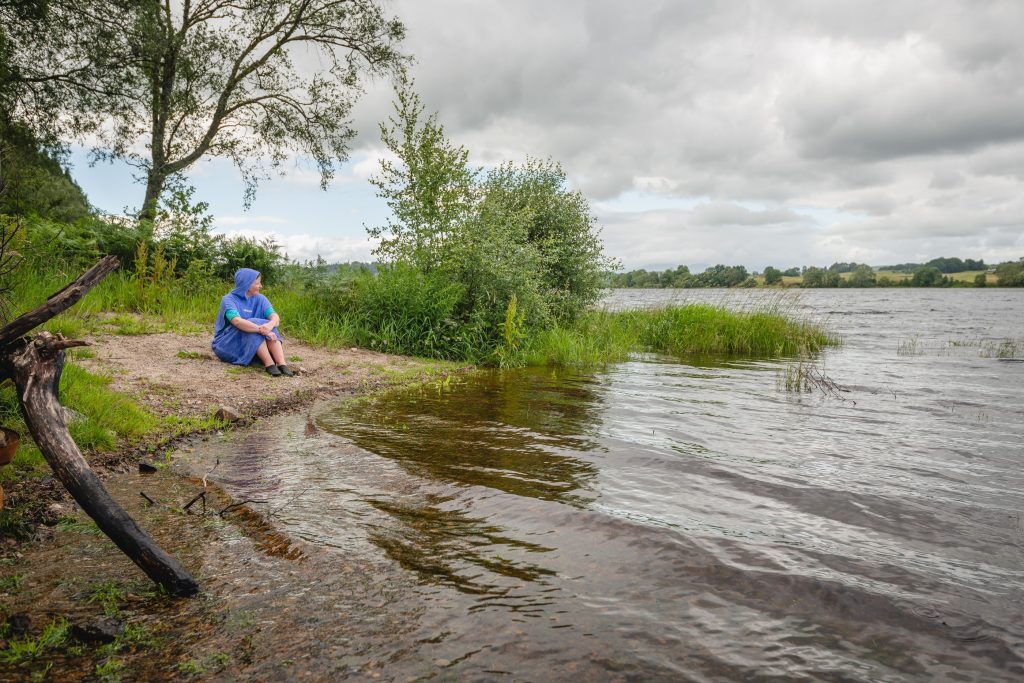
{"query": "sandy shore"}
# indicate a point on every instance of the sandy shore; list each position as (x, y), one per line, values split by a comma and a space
(177, 374)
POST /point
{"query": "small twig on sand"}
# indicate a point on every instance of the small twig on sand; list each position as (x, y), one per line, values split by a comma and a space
(200, 495)
(215, 466)
(148, 499)
(239, 504)
(288, 502)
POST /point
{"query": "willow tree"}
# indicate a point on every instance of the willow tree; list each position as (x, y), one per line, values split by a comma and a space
(255, 81)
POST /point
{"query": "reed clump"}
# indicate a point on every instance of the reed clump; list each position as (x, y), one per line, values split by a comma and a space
(689, 330)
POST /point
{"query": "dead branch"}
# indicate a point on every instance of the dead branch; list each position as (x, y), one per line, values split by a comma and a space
(57, 303)
(212, 469)
(201, 494)
(239, 504)
(36, 365)
(823, 383)
(288, 502)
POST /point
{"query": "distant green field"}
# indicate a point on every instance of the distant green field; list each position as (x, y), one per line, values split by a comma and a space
(966, 276)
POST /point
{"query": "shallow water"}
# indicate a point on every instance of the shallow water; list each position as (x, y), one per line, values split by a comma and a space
(660, 519)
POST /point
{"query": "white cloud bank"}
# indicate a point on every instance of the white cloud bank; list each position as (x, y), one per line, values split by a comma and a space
(306, 247)
(858, 130)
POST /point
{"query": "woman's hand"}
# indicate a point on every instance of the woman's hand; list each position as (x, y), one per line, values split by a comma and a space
(267, 330)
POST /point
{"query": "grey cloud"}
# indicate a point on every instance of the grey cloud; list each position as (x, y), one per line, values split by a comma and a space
(873, 204)
(946, 178)
(720, 213)
(905, 119)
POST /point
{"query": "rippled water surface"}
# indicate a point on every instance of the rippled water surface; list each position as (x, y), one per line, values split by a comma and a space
(666, 520)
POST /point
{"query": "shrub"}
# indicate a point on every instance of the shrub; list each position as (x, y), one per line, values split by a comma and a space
(928, 277)
(1010, 274)
(558, 226)
(263, 255)
(404, 310)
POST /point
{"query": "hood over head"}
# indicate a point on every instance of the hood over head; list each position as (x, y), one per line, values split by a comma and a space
(244, 277)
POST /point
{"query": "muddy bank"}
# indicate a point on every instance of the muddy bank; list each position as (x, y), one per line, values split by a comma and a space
(69, 580)
(258, 616)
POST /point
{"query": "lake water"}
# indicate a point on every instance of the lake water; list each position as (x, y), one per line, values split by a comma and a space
(662, 520)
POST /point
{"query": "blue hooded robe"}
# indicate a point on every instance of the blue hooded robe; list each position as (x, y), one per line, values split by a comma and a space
(229, 343)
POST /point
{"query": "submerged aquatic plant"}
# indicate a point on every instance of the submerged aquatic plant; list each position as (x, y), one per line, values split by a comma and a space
(986, 348)
(806, 376)
(910, 347)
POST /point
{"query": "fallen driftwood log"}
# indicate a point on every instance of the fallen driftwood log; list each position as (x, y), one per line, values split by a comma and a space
(35, 365)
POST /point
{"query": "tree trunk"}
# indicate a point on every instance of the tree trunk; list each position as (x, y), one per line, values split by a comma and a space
(37, 368)
(35, 365)
(154, 187)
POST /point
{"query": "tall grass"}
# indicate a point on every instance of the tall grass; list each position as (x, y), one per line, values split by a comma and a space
(171, 304)
(690, 330)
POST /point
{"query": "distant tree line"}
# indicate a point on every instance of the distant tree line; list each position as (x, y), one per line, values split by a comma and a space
(681, 277)
(934, 273)
(942, 264)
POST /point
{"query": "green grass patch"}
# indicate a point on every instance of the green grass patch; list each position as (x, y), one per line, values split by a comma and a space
(210, 663)
(108, 413)
(423, 371)
(108, 418)
(13, 524)
(12, 583)
(25, 650)
(681, 331)
(74, 525)
(109, 671)
(108, 594)
(131, 325)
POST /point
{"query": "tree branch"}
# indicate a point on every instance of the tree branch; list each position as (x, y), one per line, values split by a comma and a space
(57, 303)
(36, 367)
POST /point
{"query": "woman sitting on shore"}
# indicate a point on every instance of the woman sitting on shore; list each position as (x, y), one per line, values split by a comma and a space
(247, 326)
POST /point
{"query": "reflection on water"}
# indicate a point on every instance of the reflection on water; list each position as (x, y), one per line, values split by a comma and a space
(515, 432)
(439, 544)
(660, 520)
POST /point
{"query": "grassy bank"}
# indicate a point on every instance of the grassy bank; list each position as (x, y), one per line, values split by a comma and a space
(393, 315)
(335, 317)
(101, 421)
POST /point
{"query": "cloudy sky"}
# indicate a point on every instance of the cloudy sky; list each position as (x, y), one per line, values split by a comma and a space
(754, 133)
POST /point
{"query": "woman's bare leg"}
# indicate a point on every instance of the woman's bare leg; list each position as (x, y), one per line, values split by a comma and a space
(264, 355)
(276, 350)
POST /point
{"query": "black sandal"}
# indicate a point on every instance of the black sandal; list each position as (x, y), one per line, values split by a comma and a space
(273, 371)
(286, 371)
